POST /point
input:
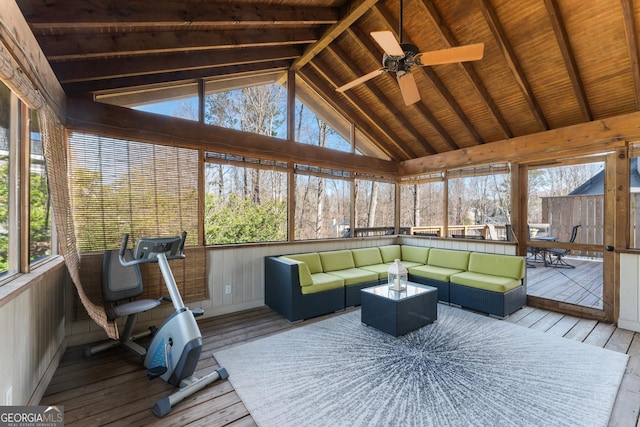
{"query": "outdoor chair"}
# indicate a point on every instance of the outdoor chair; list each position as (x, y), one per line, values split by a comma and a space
(536, 252)
(556, 256)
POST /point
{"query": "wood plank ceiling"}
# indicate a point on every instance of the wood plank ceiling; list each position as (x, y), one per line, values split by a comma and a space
(547, 63)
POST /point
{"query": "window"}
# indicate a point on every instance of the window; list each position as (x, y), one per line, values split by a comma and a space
(40, 208)
(5, 187)
(19, 133)
(634, 202)
(375, 207)
(421, 204)
(245, 200)
(478, 196)
(121, 186)
(323, 203)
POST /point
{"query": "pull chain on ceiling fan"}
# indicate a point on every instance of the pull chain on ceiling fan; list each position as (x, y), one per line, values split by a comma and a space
(401, 57)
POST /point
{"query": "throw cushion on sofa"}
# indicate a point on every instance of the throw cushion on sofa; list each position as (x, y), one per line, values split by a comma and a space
(366, 256)
(413, 256)
(311, 259)
(458, 260)
(336, 260)
(390, 253)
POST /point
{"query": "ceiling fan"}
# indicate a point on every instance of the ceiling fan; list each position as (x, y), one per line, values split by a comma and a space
(400, 57)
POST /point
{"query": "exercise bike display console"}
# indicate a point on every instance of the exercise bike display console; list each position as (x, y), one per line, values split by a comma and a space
(175, 348)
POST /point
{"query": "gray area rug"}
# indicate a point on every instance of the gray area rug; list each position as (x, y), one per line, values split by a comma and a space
(463, 370)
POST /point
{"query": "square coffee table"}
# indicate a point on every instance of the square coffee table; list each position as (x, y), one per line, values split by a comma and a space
(399, 312)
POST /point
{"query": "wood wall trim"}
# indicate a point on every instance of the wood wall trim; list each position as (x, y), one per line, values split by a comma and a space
(120, 122)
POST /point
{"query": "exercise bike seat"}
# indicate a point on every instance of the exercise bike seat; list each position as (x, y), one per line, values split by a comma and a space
(120, 283)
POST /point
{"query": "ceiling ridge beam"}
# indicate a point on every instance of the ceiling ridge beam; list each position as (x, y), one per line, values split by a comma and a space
(631, 33)
(513, 64)
(569, 58)
(120, 15)
(476, 81)
(355, 12)
(341, 55)
(106, 45)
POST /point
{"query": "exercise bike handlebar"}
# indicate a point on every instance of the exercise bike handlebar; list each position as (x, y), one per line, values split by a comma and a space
(147, 249)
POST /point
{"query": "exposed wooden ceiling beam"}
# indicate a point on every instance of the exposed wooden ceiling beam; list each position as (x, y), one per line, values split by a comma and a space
(126, 84)
(578, 140)
(121, 15)
(447, 36)
(400, 152)
(631, 33)
(569, 59)
(356, 10)
(77, 71)
(356, 71)
(512, 61)
(119, 122)
(107, 45)
(18, 39)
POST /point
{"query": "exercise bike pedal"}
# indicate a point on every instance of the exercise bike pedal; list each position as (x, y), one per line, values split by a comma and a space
(197, 312)
(155, 372)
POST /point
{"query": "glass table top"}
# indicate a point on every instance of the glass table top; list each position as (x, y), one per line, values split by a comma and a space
(412, 290)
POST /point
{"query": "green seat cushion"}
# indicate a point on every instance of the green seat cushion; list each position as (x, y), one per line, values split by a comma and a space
(355, 276)
(382, 270)
(322, 282)
(408, 264)
(366, 256)
(414, 254)
(390, 253)
(497, 265)
(311, 259)
(433, 272)
(485, 281)
(336, 260)
(458, 260)
(303, 271)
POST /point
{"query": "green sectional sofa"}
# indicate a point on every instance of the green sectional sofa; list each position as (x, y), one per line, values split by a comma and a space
(301, 286)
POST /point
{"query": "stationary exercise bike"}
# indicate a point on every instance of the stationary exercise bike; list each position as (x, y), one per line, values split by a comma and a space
(176, 345)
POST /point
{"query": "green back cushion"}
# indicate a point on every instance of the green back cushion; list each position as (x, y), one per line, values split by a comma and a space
(366, 256)
(497, 265)
(390, 253)
(311, 259)
(458, 260)
(303, 272)
(336, 260)
(415, 254)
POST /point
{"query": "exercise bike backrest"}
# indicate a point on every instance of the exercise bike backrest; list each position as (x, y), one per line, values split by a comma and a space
(148, 249)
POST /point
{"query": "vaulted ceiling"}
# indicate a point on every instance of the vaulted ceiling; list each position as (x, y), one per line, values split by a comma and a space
(547, 64)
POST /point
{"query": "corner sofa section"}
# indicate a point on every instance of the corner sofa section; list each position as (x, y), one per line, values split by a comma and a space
(301, 286)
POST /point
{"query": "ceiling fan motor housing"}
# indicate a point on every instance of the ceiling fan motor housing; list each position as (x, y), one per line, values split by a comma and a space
(401, 63)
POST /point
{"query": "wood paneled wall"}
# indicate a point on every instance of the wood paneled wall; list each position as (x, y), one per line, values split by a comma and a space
(32, 315)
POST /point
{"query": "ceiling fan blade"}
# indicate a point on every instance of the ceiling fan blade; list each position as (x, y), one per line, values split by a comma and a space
(362, 79)
(388, 42)
(471, 52)
(408, 88)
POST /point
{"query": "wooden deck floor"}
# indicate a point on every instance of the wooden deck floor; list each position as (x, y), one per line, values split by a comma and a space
(581, 285)
(111, 389)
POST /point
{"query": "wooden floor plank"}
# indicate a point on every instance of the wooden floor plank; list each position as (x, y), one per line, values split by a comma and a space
(111, 388)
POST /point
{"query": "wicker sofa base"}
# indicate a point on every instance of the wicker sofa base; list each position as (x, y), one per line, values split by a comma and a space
(495, 303)
(352, 292)
(443, 287)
